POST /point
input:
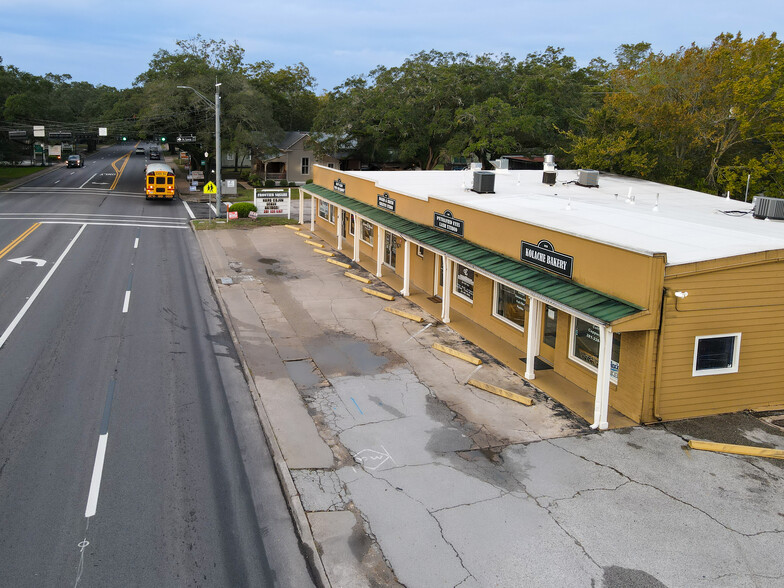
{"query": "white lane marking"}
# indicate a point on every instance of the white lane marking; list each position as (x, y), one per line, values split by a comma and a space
(90, 215)
(29, 303)
(213, 210)
(88, 181)
(136, 243)
(188, 208)
(57, 182)
(127, 301)
(95, 483)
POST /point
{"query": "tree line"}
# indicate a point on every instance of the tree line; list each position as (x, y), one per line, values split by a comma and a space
(708, 118)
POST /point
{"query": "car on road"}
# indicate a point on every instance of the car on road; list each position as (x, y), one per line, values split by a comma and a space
(155, 154)
(75, 161)
(140, 151)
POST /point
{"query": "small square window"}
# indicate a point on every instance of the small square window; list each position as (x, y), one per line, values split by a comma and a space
(420, 251)
(716, 354)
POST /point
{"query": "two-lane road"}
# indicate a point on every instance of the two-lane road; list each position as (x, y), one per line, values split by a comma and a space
(130, 453)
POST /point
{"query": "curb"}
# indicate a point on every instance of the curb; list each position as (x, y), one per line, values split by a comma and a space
(299, 517)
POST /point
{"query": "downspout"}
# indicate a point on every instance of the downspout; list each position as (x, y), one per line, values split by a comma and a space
(659, 350)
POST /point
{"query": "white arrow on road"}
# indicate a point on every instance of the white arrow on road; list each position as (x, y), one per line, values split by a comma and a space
(20, 260)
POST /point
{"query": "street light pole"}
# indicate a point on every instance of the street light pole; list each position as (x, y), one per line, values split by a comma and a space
(217, 149)
(216, 107)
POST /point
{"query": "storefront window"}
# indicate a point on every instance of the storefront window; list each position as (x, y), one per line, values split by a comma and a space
(550, 326)
(585, 346)
(510, 305)
(367, 232)
(464, 282)
(323, 211)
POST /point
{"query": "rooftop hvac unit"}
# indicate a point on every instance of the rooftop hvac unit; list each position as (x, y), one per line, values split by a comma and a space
(767, 207)
(588, 178)
(484, 182)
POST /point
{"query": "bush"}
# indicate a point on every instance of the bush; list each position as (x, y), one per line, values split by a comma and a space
(242, 208)
(269, 184)
(292, 184)
(309, 181)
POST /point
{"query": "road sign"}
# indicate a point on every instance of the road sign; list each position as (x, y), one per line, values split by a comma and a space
(210, 188)
(39, 131)
(197, 175)
(17, 134)
(186, 139)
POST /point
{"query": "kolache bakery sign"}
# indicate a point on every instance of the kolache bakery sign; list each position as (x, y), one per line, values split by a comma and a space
(544, 255)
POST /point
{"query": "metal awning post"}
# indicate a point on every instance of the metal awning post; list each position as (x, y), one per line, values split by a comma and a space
(534, 336)
(602, 401)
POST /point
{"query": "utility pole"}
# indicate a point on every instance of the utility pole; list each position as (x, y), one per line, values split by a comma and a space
(216, 107)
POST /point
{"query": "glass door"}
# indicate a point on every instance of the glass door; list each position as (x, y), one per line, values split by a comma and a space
(390, 249)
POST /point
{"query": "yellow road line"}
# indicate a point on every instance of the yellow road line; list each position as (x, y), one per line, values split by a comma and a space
(126, 157)
(18, 240)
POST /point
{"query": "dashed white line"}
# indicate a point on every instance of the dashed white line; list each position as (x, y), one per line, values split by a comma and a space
(95, 483)
(127, 301)
(136, 243)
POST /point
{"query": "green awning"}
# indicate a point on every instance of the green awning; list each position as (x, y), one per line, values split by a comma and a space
(587, 301)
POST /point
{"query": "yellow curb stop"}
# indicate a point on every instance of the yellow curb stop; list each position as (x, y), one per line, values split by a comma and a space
(304, 235)
(458, 354)
(293, 227)
(501, 392)
(356, 277)
(319, 245)
(404, 314)
(327, 253)
(340, 263)
(737, 449)
(378, 294)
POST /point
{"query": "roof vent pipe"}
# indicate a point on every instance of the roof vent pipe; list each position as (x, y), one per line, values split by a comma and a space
(549, 174)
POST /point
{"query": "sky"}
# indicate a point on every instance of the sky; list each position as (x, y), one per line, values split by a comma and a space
(111, 42)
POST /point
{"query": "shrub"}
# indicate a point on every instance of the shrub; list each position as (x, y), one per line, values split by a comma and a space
(309, 181)
(243, 208)
(269, 184)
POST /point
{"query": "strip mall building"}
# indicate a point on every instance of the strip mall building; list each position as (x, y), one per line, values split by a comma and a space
(639, 301)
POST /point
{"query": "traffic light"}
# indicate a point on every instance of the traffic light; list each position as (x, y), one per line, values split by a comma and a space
(125, 138)
(163, 139)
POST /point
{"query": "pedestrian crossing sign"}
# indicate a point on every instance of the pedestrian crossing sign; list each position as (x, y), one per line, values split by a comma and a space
(210, 188)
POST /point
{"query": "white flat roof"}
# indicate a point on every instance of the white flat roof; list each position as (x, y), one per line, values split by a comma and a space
(687, 226)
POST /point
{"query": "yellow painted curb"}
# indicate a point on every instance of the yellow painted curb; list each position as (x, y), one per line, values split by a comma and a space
(356, 277)
(404, 314)
(327, 253)
(319, 245)
(458, 354)
(340, 263)
(737, 449)
(293, 227)
(305, 235)
(501, 392)
(379, 294)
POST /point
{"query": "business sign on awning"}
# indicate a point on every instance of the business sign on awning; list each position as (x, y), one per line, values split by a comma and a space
(447, 222)
(544, 255)
(339, 187)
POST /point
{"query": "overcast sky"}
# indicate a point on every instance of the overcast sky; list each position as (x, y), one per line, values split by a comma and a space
(111, 41)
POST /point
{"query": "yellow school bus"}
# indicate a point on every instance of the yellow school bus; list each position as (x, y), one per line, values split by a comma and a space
(159, 179)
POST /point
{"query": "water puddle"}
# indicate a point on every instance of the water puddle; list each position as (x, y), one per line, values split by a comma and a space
(305, 374)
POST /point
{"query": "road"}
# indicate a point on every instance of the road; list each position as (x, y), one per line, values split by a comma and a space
(130, 452)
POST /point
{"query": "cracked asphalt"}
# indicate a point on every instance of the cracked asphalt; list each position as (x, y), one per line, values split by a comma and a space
(408, 476)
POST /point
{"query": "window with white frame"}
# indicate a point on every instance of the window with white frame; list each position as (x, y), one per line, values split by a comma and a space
(420, 251)
(716, 354)
(464, 283)
(584, 347)
(509, 306)
(323, 210)
(367, 232)
(305, 166)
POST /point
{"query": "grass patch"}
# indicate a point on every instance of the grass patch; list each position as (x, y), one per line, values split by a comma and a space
(242, 223)
(9, 174)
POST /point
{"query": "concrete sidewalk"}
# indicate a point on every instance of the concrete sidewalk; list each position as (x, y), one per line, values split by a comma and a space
(398, 472)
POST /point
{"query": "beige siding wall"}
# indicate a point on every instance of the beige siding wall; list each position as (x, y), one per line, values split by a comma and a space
(741, 299)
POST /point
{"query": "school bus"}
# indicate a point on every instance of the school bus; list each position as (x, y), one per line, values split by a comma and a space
(159, 179)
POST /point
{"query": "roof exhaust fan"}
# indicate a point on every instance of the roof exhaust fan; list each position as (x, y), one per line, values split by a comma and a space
(484, 182)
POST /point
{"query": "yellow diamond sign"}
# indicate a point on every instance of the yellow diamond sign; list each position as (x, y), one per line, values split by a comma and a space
(210, 188)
